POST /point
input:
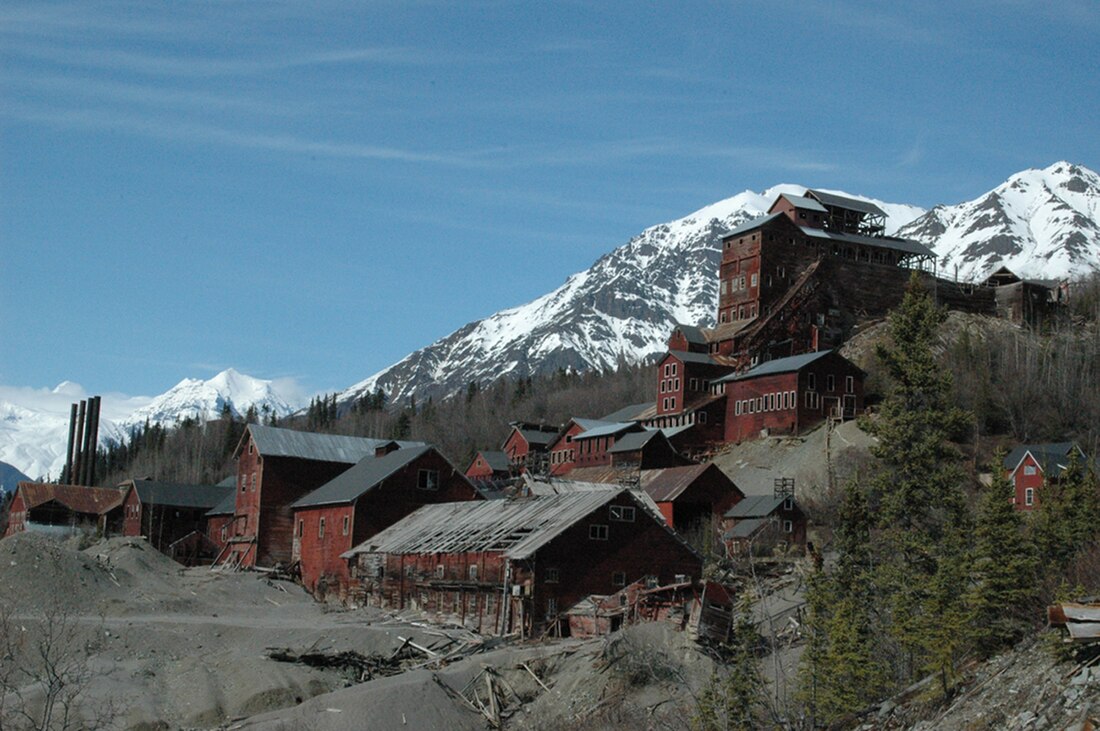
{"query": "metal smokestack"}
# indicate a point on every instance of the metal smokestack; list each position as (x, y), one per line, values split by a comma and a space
(93, 440)
(66, 476)
(74, 476)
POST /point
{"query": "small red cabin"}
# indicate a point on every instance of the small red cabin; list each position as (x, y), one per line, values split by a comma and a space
(1031, 466)
(47, 507)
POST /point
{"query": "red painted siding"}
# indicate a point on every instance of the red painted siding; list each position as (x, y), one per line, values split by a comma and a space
(563, 452)
(131, 514)
(17, 515)
(1028, 475)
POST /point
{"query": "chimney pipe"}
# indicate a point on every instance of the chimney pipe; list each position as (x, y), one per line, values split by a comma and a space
(93, 441)
(66, 476)
(74, 476)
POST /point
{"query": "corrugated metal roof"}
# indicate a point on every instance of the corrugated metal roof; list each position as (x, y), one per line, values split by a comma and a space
(755, 506)
(804, 203)
(366, 474)
(689, 357)
(588, 424)
(668, 484)
(79, 499)
(1051, 455)
(152, 492)
(273, 441)
(779, 365)
(516, 528)
(753, 224)
(906, 246)
(692, 333)
(841, 201)
(538, 437)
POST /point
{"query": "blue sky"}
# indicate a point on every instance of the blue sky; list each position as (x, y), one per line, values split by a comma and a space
(313, 190)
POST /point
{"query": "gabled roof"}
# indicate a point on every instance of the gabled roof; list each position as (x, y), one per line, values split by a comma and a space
(688, 356)
(628, 413)
(691, 333)
(230, 481)
(636, 440)
(364, 476)
(841, 201)
(753, 224)
(516, 528)
(79, 499)
(274, 441)
(667, 484)
(536, 435)
(745, 528)
(1052, 457)
(497, 461)
(906, 246)
(228, 505)
(779, 365)
(153, 492)
(802, 203)
(755, 506)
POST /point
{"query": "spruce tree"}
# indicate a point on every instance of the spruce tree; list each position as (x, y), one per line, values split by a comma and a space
(923, 515)
(1005, 564)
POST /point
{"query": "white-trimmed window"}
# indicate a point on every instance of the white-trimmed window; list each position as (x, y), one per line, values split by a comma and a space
(321, 528)
(472, 572)
(597, 532)
(737, 407)
(788, 526)
(1029, 496)
(551, 606)
(347, 524)
(755, 278)
(621, 513)
(1029, 469)
(811, 381)
(830, 383)
(440, 571)
(427, 479)
(672, 403)
(849, 384)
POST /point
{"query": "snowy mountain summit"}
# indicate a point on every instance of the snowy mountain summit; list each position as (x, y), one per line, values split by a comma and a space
(1041, 224)
(205, 400)
(621, 310)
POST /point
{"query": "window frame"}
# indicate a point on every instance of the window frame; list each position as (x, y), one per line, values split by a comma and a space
(598, 531)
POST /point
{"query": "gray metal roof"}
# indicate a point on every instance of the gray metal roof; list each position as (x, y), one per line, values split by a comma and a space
(751, 225)
(635, 441)
(779, 365)
(516, 528)
(538, 437)
(906, 246)
(755, 506)
(841, 201)
(152, 492)
(587, 424)
(365, 475)
(497, 461)
(228, 505)
(804, 203)
(606, 430)
(688, 356)
(273, 441)
(628, 413)
(1052, 457)
(692, 333)
(746, 528)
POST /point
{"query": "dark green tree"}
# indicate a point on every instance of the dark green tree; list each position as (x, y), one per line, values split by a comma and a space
(733, 700)
(1004, 594)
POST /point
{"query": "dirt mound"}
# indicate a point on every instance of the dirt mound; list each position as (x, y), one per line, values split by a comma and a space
(37, 571)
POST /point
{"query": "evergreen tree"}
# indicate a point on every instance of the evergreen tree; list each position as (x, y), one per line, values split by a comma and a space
(733, 702)
(1068, 513)
(1005, 564)
(924, 520)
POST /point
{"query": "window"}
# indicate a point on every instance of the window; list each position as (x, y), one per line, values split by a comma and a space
(427, 479)
(702, 417)
(621, 513)
(251, 447)
(676, 385)
(551, 607)
(551, 576)
(225, 533)
(440, 571)
(759, 403)
(253, 482)
(301, 527)
(674, 369)
(1029, 469)
(752, 406)
(788, 526)
(321, 528)
(597, 532)
(618, 578)
(472, 572)
(347, 524)
(1029, 496)
(811, 381)
(664, 385)
(672, 403)
(693, 384)
(471, 604)
(794, 400)
(490, 602)
(668, 371)
(755, 278)
(788, 504)
(849, 384)
(737, 408)
(830, 383)
(244, 483)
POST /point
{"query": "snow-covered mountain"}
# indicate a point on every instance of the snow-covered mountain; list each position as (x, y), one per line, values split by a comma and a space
(34, 424)
(1042, 224)
(204, 400)
(10, 477)
(619, 310)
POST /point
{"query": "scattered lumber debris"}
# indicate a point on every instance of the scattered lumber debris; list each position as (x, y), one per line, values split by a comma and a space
(1081, 619)
(358, 668)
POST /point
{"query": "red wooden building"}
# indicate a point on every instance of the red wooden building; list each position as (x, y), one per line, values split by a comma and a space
(488, 466)
(371, 496)
(765, 521)
(1031, 466)
(503, 566)
(219, 519)
(563, 452)
(47, 507)
(165, 512)
(275, 467)
(528, 441)
(790, 395)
